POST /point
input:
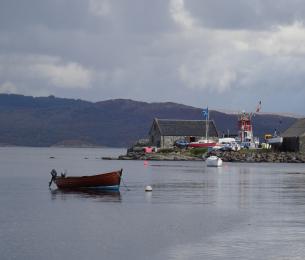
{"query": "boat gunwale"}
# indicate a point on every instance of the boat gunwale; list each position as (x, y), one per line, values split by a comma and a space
(109, 179)
(119, 173)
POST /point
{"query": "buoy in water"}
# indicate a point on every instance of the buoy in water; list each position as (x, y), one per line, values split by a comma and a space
(148, 188)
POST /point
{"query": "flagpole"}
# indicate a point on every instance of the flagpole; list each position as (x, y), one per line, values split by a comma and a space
(206, 123)
(206, 116)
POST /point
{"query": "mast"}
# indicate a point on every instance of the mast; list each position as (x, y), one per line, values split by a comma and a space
(205, 113)
(207, 125)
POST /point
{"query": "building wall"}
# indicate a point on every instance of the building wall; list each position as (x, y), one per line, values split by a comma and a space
(291, 144)
(168, 141)
(155, 137)
(302, 144)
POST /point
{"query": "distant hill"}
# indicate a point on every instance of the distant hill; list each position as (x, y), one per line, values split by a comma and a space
(47, 121)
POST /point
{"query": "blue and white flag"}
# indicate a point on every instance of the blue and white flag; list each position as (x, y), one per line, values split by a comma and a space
(205, 113)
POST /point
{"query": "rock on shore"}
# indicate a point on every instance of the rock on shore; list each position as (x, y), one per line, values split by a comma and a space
(174, 155)
(159, 157)
(248, 156)
(260, 156)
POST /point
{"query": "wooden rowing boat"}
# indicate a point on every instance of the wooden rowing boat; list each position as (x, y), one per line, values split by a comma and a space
(109, 180)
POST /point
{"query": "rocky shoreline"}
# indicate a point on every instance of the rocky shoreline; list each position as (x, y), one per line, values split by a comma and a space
(247, 156)
(261, 156)
(159, 157)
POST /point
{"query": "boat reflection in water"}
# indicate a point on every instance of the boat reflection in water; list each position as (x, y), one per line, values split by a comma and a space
(85, 193)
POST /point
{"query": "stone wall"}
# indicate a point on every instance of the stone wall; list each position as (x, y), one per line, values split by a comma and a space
(302, 144)
(290, 144)
(168, 141)
(155, 138)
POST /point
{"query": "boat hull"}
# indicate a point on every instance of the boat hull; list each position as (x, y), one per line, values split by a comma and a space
(195, 145)
(275, 140)
(213, 161)
(110, 180)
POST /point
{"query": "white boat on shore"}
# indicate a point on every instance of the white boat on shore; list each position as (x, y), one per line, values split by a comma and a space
(213, 161)
(228, 144)
(275, 140)
(203, 143)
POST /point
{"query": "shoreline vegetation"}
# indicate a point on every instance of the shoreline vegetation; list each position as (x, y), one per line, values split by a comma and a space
(200, 154)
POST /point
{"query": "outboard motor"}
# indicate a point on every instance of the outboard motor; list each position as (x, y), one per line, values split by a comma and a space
(54, 175)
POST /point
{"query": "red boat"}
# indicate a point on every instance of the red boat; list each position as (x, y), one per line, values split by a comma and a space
(110, 180)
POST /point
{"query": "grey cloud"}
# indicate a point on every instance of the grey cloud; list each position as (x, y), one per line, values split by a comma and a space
(240, 14)
(135, 16)
(137, 49)
(15, 15)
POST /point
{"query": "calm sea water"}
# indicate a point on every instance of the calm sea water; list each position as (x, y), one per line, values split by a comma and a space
(239, 211)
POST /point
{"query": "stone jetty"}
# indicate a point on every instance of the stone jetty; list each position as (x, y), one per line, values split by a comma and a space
(247, 156)
(171, 156)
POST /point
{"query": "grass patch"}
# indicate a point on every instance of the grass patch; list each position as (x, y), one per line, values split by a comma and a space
(198, 152)
(166, 150)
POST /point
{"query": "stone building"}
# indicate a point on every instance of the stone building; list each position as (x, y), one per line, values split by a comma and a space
(164, 132)
(294, 137)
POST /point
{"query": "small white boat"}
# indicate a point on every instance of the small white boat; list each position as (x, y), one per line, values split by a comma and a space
(213, 161)
(275, 140)
(202, 143)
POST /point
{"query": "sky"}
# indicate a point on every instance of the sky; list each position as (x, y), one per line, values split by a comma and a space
(223, 54)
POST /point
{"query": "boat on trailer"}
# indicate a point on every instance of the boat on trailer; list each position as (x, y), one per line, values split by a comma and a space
(109, 180)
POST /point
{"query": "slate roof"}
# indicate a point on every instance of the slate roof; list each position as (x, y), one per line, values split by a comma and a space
(172, 127)
(297, 129)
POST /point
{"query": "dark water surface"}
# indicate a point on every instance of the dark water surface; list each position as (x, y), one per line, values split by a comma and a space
(239, 211)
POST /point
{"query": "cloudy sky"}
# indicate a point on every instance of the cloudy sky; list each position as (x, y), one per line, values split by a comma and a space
(225, 54)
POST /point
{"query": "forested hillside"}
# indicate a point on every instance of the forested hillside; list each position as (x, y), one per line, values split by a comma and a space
(47, 121)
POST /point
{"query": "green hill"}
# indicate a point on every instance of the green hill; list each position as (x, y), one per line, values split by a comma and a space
(47, 121)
